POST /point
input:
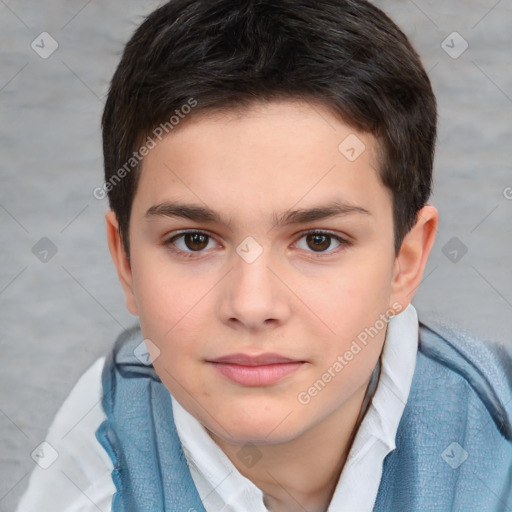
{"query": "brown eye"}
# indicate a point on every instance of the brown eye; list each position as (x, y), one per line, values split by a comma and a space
(195, 241)
(318, 242)
(187, 243)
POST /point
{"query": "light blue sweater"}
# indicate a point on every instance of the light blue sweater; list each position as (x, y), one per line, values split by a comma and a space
(453, 445)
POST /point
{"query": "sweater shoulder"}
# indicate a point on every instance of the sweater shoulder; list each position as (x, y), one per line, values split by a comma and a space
(458, 359)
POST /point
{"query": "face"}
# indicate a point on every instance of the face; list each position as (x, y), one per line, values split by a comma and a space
(261, 250)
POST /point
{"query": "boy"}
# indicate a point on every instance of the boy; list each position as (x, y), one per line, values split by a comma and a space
(268, 166)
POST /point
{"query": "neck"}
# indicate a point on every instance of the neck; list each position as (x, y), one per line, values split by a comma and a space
(287, 482)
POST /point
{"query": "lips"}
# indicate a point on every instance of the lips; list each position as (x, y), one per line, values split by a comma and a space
(261, 370)
(247, 360)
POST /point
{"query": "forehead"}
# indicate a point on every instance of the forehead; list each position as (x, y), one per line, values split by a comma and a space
(266, 155)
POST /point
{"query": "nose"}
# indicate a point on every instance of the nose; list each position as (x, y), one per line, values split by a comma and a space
(253, 295)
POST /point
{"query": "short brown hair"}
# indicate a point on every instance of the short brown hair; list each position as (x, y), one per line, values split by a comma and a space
(223, 54)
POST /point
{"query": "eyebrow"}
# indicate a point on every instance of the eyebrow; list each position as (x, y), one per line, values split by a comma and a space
(199, 213)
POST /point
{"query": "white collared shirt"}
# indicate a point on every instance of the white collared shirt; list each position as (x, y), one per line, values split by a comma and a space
(223, 488)
(79, 478)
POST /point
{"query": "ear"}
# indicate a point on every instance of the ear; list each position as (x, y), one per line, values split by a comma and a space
(412, 258)
(124, 271)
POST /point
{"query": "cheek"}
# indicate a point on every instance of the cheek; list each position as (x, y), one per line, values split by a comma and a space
(171, 315)
(353, 299)
(353, 308)
(166, 296)
(181, 340)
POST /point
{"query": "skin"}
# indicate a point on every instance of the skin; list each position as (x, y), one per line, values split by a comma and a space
(301, 298)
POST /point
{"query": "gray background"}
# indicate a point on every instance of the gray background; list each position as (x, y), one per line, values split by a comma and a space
(58, 316)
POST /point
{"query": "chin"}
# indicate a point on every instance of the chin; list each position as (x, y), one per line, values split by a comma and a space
(266, 431)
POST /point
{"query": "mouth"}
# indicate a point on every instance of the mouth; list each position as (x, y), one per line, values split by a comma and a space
(262, 370)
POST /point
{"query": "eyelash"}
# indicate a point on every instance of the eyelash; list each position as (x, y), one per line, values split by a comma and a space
(194, 254)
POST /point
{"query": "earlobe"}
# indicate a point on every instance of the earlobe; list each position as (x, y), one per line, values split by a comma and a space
(120, 259)
(412, 258)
